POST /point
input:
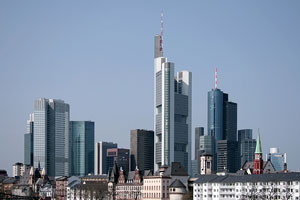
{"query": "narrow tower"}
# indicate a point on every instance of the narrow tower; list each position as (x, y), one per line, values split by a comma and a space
(258, 161)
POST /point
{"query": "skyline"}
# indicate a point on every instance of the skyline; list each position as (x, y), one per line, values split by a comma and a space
(37, 42)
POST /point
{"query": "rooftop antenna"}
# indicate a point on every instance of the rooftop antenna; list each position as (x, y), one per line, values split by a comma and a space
(216, 78)
(161, 30)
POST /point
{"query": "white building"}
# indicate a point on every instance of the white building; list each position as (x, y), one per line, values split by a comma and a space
(233, 187)
(19, 169)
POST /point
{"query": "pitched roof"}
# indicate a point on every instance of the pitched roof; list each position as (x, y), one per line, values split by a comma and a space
(258, 144)
(177, 184)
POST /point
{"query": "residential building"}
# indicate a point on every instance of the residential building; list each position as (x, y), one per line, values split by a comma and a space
(177, 190)
(51, 136)
(19, 169)
(206, 162)
(120, 156)
(172, 111)
(61, 187)
(82, 135)
(100, 156)
(199, 131)
(246, 145)
(277, 159)
(142, 149)
(234, 187)
(28, 141)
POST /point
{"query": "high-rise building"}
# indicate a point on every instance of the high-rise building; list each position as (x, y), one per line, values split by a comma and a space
(51, 136)
(100, 156)
(28, 141)
(246, 146)
(142, 149)
(199, 131)
(172, 112)
(82, 135)
(221, 120)
(120, 156)
(278, 159)
(227, 156)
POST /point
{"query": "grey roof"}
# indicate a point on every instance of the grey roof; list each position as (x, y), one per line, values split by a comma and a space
(130, 175)
(291, 176)
(10, 180)
(94, 177)
(177, 184)
(176, 169)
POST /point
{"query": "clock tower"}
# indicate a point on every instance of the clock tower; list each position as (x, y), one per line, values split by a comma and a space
(258, 167)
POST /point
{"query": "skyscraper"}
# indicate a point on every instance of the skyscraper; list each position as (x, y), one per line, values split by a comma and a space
(28, 141)
(246, 146)
(199, 131)
(172, 111)
(51, 136)
(82, 135)
(120, 156)
(142, 149)
(221, 122)
(100, 156)
(227, 156)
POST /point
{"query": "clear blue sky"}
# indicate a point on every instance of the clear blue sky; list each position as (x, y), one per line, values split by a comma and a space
(98, 57)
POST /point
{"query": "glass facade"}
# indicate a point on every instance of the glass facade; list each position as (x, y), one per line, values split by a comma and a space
(82, 134)
(51, 136)
(247, 146)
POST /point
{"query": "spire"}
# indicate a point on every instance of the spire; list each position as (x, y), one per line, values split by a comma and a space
(216, 78)
(258, 144)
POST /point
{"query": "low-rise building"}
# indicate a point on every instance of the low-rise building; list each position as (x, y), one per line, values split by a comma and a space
(259, 186)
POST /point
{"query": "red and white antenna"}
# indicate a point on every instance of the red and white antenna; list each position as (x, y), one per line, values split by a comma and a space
(161, 30)
(216, 78)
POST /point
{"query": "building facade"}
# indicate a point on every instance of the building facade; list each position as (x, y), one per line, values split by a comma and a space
(82, 135)
(278, 159)
(227, 157)
(172, 111)
(246, 145)
(199, 131)
(142, 149)
(51, 136)
(100, 156)
(28, 141)
(234, 187)
(120, 156)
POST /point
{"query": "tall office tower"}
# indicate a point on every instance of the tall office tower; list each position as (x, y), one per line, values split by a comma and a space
(246, 146)
(100, 156)
(82, 135)
(227, 156)
(28, 141)
(277, 159)
(172, 111)
(142, 149)
(120, 156)
(199, 131)
(51, 136)
(222, 118)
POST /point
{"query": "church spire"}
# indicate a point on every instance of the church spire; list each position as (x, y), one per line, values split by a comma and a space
(258, 144)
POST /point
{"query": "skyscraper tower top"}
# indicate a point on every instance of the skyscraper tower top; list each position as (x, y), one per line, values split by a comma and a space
(158, 40)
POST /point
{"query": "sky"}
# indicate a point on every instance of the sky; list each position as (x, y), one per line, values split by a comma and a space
(97, 56)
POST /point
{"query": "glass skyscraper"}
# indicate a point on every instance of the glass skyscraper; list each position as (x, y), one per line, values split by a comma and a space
(199, 131)
(222, 125)
(28, 141)
(172, 112)
(100, 156)
(82, 138)
(247, 146)
(51, 136)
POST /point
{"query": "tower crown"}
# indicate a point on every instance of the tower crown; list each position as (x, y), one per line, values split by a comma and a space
(258, 144)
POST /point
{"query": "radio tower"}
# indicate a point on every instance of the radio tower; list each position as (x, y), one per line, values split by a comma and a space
(161, 31)
(216, 78)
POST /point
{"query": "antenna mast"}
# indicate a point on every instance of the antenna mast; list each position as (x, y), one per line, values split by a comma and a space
(216, 78)
(161, 31)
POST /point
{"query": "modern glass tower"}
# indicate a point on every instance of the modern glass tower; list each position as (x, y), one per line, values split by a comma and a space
(278, 159)
(172, 112)
(100, 156)
(142, 149)
(28, 141)
(247, 146)
(51, 136)
(82, 135)
(199, 131)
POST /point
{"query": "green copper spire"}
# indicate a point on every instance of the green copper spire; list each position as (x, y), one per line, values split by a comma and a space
(258, 144)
